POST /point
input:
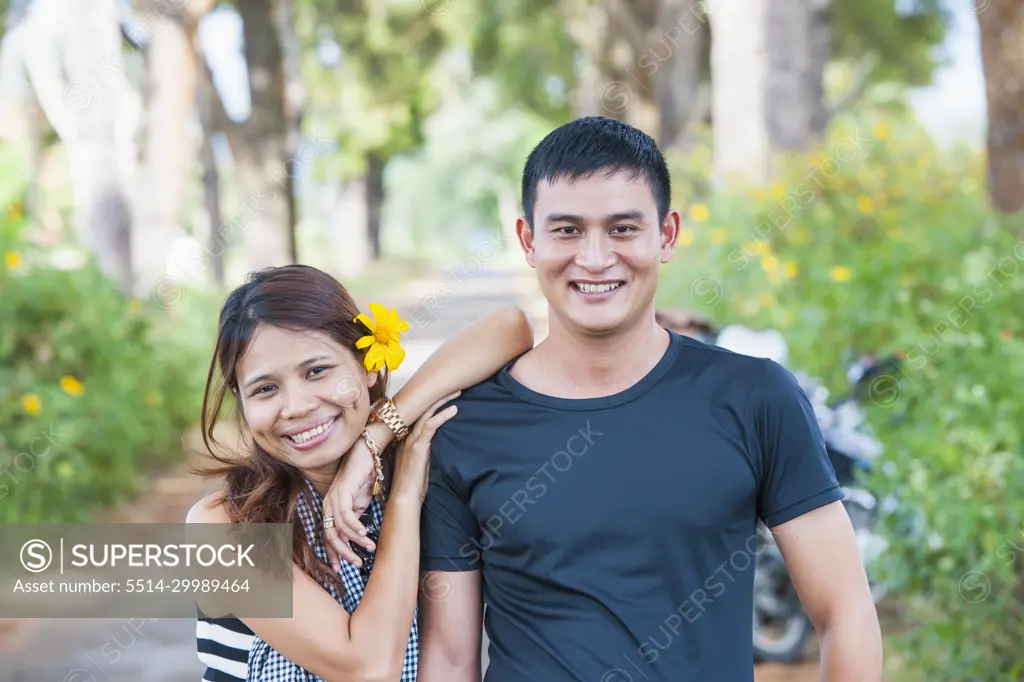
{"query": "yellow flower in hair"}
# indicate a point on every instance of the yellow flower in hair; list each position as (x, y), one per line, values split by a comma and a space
(384, 345)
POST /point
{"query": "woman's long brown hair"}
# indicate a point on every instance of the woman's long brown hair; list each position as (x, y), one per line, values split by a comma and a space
(259, 488)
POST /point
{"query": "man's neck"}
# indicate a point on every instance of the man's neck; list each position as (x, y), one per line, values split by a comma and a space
(571, 365)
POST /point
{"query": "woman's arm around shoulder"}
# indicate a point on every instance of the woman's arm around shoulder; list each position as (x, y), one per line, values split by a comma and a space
(466, 359)
(318, 636)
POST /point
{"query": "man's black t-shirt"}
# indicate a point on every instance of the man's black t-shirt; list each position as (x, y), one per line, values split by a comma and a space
(616, 535)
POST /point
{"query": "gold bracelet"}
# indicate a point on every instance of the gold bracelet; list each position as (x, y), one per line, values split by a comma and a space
(378, 485)
(387, 413)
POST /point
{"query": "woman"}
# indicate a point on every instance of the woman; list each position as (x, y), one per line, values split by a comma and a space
(307, 372)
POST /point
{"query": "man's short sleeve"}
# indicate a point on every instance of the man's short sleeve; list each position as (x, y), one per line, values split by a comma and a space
(449, 533)
(796, 475)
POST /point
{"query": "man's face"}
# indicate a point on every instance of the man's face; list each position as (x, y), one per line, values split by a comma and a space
(597, 246)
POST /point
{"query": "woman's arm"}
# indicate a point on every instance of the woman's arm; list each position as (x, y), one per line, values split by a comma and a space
(463, 361)
(320, 636)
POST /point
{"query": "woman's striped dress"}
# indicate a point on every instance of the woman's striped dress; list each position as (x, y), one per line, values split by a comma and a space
(223, 647)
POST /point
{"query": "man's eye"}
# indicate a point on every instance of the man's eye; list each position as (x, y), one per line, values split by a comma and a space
(565, 230)
(623, 229)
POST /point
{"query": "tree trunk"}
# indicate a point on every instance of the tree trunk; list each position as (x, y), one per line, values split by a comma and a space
(650, 58)
(264, 170)
(820, 49)
(677, 81)
(374, 201)
(74, 68)
(796, 60)
(768, 83)
(169, 146)
(294, 107)
(350, 237)
(212, 120)
(508, 213)
(596, 94)
(1001, 24)
(211, 200)
(739, 70)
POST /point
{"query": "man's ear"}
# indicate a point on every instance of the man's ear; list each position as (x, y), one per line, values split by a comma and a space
(670, 229)
(525, 234)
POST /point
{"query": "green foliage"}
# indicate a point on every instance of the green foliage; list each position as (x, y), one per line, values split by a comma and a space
(471, 161)
(904, 41)
(94, 389)
(377, 96)
(880, 246)
(525, 46)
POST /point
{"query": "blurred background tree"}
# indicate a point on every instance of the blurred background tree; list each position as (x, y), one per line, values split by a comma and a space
(152, 152)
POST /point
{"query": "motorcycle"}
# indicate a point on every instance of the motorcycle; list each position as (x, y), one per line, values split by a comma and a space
(781, 628)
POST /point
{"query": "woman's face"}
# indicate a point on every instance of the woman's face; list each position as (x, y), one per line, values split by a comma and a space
(304, 397)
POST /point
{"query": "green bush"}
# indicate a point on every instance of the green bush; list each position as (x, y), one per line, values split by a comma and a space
(95, 389)
(888, 245)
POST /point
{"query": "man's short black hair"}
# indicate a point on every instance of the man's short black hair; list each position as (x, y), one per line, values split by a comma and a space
(590, 144)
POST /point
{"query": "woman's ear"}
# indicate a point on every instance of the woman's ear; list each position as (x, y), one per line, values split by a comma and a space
(371, 379)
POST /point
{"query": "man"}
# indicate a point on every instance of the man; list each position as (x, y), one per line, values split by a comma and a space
(601, 493)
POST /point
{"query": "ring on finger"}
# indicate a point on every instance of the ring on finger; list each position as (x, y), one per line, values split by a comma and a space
(328, 522)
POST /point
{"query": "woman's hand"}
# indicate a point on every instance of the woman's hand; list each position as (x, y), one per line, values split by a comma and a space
(352, 490)
(412, 463)
(346, 500)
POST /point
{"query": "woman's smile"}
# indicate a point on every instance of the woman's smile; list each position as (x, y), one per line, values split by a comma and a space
(309, 437)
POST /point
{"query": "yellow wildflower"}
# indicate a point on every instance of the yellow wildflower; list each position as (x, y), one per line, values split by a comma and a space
(841, 273)
(685, 238)
(13, 260)
(881, 130)
(766, 300)
(72, 386)
(791, 269)
(752, 248)
(152, 398)
(384, 343)
(719, 236)
(769, 262)
(134, 306)
(778, 191)
(64, 470)
(865, 204)
(32, 404)
(699, 213)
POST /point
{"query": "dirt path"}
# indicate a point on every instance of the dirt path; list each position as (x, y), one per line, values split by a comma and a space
(163, 650)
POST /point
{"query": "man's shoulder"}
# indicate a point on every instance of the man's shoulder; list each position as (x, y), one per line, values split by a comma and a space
(482, 403)
(756, 382)
(747, 371)
(484, 395)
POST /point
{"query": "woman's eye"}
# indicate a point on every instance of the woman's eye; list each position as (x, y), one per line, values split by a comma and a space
(316, 371)
(261, 389)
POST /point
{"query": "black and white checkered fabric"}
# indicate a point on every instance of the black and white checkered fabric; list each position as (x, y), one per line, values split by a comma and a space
(266, 664)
